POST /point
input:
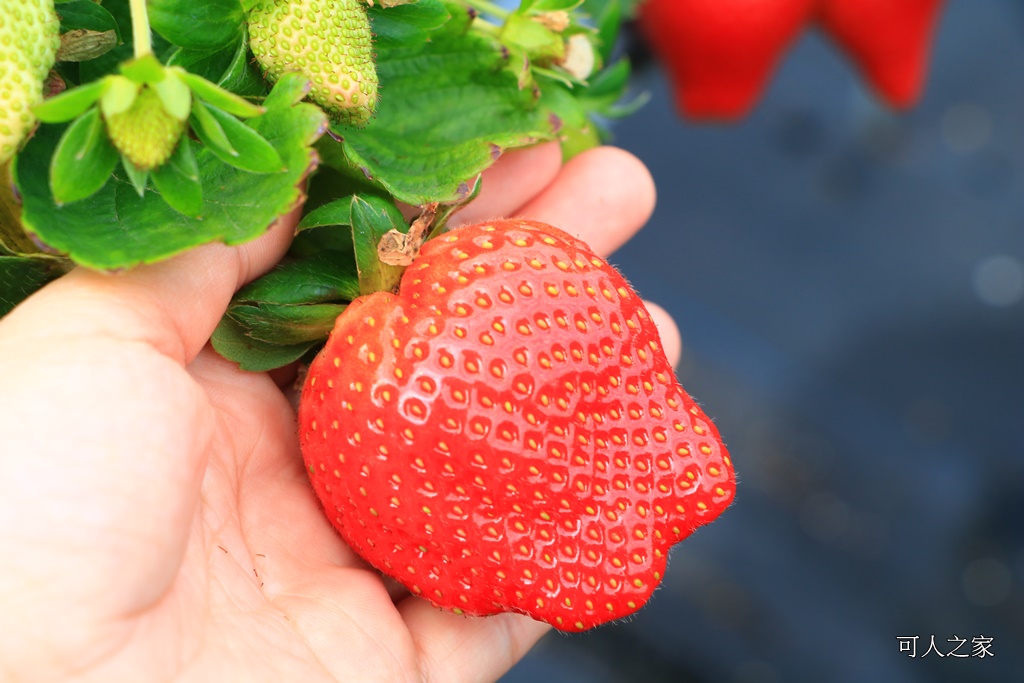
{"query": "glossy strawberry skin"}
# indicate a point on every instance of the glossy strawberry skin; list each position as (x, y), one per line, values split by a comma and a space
(506, 434)
(721, 53)
(889, 39)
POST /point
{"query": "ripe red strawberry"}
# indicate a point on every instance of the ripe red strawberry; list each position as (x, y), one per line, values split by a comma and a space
(720, 53)
(506, 434)
(889, 39)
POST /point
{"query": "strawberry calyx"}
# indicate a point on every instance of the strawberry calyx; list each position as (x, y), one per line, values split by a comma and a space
(146, 109)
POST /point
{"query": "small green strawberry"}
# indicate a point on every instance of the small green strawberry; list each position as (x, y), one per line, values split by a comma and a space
(29, 38)
(145, 133)
(329, 42)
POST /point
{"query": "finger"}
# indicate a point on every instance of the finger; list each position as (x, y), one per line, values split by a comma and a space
(512, 181)
(459, 649)
(612, 197)
(671, 340)
(173, 305)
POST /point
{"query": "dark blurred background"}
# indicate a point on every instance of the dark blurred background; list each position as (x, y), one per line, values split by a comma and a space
(850, 287)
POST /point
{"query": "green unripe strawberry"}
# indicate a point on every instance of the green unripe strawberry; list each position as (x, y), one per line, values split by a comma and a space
(329, 42)
(145, 133)
(29, 38)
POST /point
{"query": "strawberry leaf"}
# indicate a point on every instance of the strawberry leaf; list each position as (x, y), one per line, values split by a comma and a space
(450, 106)
(86, 14)
(228, 67)
(205, 25)
(406, 24)
(115, 228)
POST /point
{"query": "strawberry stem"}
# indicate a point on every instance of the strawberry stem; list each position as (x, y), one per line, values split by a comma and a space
(487, 7)
(140, 29)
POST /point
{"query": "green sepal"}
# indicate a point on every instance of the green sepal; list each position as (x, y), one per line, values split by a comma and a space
(138, 177)
(144, 70)
(230, 340)
(324, 277)
(286, 325)
(540, 42)
(210, 132)
(69, 104)
(175, 95)
(252, 152)
(218, 97)
(371, 218)
(118, 95)
(177, 180)
(83, 160)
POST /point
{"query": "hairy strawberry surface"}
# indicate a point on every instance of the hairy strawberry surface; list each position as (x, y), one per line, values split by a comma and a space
(29, 39)
(329, 42)
(506, 434)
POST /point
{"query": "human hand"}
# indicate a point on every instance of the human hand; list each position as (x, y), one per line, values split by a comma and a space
(156, 522)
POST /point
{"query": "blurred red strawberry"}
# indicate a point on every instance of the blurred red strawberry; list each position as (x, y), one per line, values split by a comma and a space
(720, 53)
(889, 39)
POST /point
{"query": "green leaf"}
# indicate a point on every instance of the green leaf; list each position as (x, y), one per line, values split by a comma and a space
(228, 67)
(21, 276)
(69, 104)
(324, 277)
(86, 14)
(83, 160)
(286, 325)
(406, 25)
(209, 24)
(608, 19)
(371, 218)
(231, 341)
(177, 180)
(432, 135)
(242, 76)
(115, 228)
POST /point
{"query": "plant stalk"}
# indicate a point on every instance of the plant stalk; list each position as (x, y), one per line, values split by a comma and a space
(141, 39)
(487, 7)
